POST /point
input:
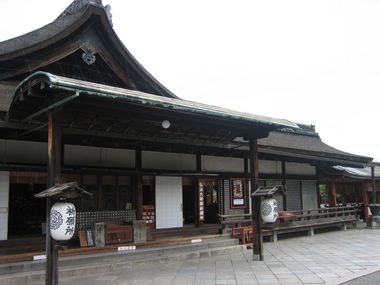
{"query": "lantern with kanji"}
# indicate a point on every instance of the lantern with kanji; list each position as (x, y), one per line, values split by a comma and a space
(62, 214)
(62, 221)
(269, 210)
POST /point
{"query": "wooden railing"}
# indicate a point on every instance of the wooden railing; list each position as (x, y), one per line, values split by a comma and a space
(320, 213)
(308, 220)
(295, 221)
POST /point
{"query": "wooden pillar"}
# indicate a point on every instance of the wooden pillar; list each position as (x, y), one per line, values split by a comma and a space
(365, 201)
(54, 174)
(256, 219)
(138, 195)
(137, 187)
(374, 200)
(319, 200)
(283, 182)
(246, 174)
(199, 163)
(331, 190)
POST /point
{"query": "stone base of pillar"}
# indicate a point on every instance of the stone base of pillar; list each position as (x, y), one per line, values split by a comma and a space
(257, 257)
(373, 224)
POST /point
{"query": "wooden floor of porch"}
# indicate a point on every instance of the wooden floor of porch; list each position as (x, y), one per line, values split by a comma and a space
(24, 248)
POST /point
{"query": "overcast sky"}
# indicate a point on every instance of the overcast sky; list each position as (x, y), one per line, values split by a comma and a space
(314, 62)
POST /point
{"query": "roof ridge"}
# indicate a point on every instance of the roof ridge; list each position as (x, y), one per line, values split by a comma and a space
(78, 6)
(303, 130)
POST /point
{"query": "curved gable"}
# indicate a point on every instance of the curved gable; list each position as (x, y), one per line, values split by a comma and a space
(80, 40)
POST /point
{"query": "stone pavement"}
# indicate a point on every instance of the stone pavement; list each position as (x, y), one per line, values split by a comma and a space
(371, 279)
(327, 258)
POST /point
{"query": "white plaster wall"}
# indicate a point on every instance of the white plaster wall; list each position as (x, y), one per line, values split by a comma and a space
(98, 156)
(13, 151)
(114, 157)
(222, 164)
(168, 160)
(299, 168)
(4, 208)
(270, 167)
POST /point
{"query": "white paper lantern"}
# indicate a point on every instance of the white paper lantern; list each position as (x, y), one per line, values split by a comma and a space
(269, 210)
(62, 221)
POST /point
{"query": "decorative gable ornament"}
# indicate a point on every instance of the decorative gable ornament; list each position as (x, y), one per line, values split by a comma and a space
(88, 57)
(89, 51)
(62, 221)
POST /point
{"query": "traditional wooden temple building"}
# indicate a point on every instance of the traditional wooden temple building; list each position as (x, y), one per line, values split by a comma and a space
(75, 105)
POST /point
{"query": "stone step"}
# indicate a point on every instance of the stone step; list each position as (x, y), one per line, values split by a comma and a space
(208, 243)
(208, 229)
(13, 254)
(70, 267)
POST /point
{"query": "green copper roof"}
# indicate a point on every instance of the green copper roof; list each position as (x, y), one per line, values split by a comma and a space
(95, 89)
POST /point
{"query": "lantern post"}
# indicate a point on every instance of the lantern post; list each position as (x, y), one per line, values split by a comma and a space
(265, 212)
(61, 226)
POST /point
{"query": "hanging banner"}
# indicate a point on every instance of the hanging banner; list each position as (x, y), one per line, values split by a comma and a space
(201, 203)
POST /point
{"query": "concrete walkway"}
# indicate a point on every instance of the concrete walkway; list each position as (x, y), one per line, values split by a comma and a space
(328, 258)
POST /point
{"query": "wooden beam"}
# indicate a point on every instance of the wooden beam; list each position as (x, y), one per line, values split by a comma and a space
(92, 123)
(33, 130)
(156, 113)
(50, 55)
(51, 107)
(113, 65)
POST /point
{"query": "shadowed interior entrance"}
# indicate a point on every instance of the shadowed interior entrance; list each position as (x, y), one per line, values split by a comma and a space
(211, 200)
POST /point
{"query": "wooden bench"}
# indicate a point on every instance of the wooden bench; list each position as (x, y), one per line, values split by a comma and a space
(309, 220)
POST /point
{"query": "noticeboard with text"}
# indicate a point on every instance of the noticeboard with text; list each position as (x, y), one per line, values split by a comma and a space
(237, 192)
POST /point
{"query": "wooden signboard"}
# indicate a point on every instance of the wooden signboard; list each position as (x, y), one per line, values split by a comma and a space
(99, 230)
(118, 234)
(82, 238)
(237, 192)
(201, 203)
(90, 239)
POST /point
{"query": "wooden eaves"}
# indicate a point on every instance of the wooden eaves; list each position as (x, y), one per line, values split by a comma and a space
(96, 110)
